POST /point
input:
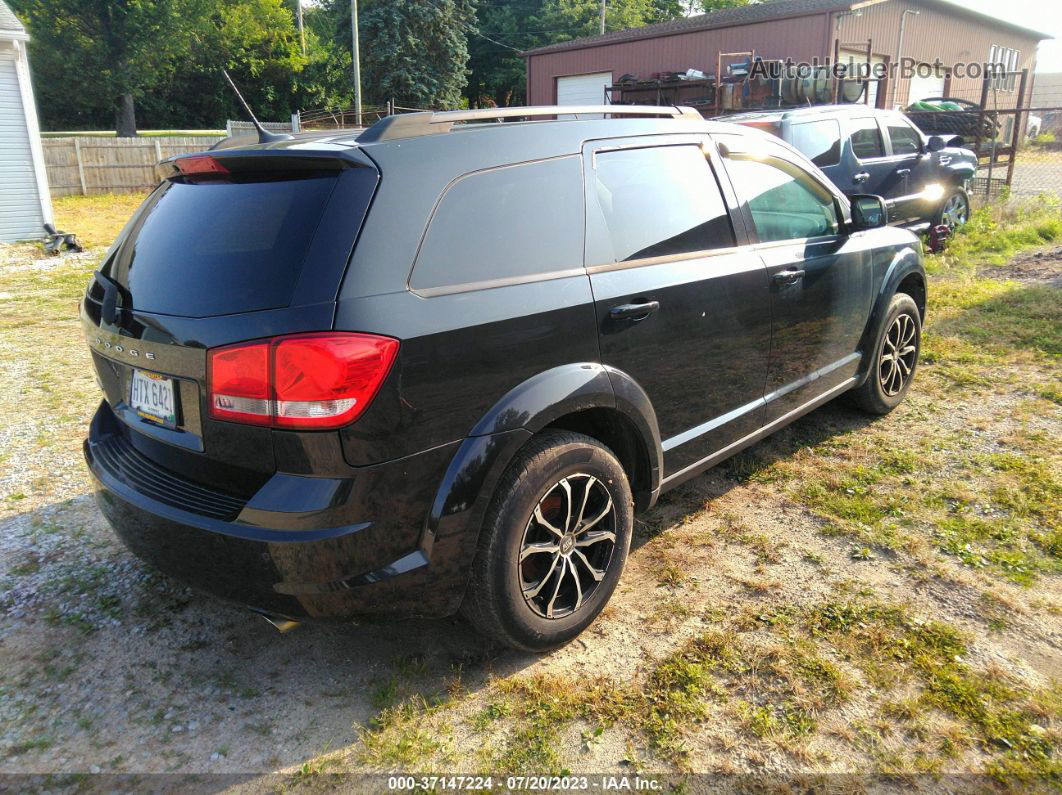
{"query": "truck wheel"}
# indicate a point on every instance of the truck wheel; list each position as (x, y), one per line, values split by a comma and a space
(553, 544)
(954, 211)
(895, 358)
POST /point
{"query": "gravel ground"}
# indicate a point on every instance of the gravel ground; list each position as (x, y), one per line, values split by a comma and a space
(108, 666)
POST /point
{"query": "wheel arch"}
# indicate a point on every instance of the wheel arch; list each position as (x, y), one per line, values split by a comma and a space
(619, 433)
(904, 274)
(586, 397)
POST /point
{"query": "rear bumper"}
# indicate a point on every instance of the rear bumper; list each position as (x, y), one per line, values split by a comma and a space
(301, 547)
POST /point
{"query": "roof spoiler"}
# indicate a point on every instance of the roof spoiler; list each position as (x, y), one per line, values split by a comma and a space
(415, 125)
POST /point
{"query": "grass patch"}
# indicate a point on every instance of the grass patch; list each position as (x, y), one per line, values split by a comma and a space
(893, 648)
(96, 220)
(996, 232)
(909, 483)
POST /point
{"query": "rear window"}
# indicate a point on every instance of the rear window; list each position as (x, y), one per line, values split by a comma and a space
(216, 248)
(819, 140)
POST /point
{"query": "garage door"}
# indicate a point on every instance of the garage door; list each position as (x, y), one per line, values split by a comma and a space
(925, 87)
(20, 204)
(583, 89)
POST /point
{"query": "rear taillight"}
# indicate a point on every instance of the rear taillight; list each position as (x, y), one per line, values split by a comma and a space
(310, 381)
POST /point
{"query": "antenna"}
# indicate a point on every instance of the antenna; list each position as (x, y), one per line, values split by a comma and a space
(264, 136)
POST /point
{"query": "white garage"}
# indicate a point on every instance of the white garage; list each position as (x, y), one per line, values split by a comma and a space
(929, 84)
(583, 89)
(25, 205)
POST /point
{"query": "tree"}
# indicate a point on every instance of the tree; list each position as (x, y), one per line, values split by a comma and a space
(575, 18)
(707, 6)
(496, 71)
(107, 54)
(416, 51)
(258, 43)
(509, 26)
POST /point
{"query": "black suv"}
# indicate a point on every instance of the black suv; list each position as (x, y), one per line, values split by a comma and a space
(439, 365)
(922, 178)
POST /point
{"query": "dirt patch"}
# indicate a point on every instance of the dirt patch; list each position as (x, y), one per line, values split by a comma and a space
(1035, 267)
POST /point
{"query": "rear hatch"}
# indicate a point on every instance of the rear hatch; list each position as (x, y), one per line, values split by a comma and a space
(232, 246)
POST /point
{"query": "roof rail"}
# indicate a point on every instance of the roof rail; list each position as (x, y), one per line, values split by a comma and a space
(415, 125)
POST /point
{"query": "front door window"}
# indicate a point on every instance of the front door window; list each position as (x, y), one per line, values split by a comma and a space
(785, 202)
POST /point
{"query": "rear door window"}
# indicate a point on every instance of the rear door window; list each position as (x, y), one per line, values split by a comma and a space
(217, 247)
(656, 202)
(866, 138)
(505, 225)
(820, 141)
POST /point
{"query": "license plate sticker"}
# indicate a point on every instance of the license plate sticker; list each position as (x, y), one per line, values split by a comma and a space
(153, 398)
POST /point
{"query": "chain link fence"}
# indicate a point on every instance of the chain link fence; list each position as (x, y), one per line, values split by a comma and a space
(347, 118)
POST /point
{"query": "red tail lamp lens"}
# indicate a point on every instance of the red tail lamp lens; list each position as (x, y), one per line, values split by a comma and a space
(311, 381)
(200, 166)
(239, 384)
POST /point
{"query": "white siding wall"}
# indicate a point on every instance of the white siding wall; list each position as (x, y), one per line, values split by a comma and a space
(21, 215)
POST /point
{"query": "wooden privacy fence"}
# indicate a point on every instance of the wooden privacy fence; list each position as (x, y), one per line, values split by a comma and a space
(86, 166)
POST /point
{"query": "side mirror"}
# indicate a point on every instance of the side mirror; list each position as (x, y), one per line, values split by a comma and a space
(935, 143)
(868, 212)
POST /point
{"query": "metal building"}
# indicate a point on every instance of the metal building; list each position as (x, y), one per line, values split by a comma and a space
(25, 204)
(926, 31)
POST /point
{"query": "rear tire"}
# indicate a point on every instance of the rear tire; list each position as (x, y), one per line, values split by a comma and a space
(895, 358)
(553, 544)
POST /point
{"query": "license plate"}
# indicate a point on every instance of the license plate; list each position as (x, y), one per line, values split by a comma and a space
(152, 397)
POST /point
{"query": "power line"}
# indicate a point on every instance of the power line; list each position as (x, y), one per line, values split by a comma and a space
(475, 32)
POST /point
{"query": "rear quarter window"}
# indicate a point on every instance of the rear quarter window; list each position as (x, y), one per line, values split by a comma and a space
(507, 224)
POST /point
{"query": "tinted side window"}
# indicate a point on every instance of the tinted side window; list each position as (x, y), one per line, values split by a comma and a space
(660, 201)
(786, 203)
(512, 222)
(866, 139)
(905, 141)
(819, 140)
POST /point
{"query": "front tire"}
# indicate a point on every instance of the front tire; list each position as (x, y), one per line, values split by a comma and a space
(954, 211)
(896, 350)
(553, 544)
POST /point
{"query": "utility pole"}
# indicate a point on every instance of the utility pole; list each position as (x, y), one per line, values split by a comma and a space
(602, 17)
(302, 30)
(357, 61)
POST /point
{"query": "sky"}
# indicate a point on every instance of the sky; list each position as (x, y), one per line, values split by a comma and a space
(1042, 15)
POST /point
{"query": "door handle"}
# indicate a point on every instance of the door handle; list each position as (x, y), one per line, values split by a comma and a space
(902, 172)
(944, 160)
(788, 277)
(862, 176)
(638, 311)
